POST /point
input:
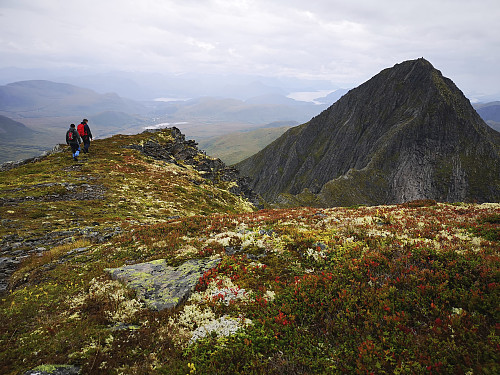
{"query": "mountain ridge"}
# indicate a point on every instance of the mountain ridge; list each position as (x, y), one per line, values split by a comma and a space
(11, 130)
(37, 98)
(350, 153)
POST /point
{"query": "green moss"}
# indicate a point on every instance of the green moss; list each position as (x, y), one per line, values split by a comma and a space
(443, 176)
(479, 171)
(442, 87)
(447, 94)
(357, 187)
(296, 130)
(50, 369)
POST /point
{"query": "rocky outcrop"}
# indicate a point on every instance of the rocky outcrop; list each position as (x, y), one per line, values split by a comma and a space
(180, 151)
(15, 248)
(161, 286)
(408, 133)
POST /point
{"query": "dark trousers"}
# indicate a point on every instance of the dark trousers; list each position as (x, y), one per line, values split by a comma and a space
(86, 143)
(75, 149)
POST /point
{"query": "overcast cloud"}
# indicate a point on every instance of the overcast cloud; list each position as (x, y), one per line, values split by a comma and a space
(346, 42)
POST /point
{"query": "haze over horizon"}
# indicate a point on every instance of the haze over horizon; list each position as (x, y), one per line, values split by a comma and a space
(344, 43)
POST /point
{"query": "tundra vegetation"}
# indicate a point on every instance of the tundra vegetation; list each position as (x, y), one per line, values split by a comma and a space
(397, 289)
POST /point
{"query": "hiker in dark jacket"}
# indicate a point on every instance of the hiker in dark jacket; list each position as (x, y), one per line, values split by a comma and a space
(73, 139)
(86, 134)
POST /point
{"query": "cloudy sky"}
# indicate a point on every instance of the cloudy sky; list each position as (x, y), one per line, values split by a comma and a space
(346, 42)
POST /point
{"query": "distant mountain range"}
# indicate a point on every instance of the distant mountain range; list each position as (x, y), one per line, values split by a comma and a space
(408, 133)
(148, 86)
(18, 142)
(49, 99)
(48, 108)
(332, 97)
(11, 130)
(490, 112)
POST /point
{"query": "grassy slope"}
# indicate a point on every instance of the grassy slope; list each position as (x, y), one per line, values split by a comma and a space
(137, 188)
(388, 289)
(235, 147)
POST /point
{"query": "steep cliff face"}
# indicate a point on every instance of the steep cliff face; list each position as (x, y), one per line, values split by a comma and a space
(408, 133)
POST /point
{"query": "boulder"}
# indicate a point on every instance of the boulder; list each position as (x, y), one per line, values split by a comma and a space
(161, 286)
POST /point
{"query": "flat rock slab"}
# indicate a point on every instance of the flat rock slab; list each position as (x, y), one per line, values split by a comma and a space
(161, 286)
(54, 370)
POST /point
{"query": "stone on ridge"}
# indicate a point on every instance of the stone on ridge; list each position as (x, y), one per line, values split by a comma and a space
(161, 286)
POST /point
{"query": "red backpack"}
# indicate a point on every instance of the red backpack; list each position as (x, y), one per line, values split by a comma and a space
(81, 129)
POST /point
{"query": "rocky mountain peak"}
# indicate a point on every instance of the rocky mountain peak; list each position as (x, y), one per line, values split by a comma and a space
(407, 133)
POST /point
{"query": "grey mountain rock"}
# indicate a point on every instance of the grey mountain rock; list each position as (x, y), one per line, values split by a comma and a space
(408, 133)
(162, 286)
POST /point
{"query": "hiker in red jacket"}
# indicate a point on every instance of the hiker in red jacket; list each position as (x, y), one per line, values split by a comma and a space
(86, 134)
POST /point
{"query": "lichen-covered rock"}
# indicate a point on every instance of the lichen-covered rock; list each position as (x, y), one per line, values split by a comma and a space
(161, 286)
(7, 266)
(54, 370)
(223, 326)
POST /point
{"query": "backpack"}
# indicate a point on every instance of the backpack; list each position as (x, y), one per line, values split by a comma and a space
(70, 135)
(81, 130)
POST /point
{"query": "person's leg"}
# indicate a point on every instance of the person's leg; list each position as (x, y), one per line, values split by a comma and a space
(75, 150)
(86, 144)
